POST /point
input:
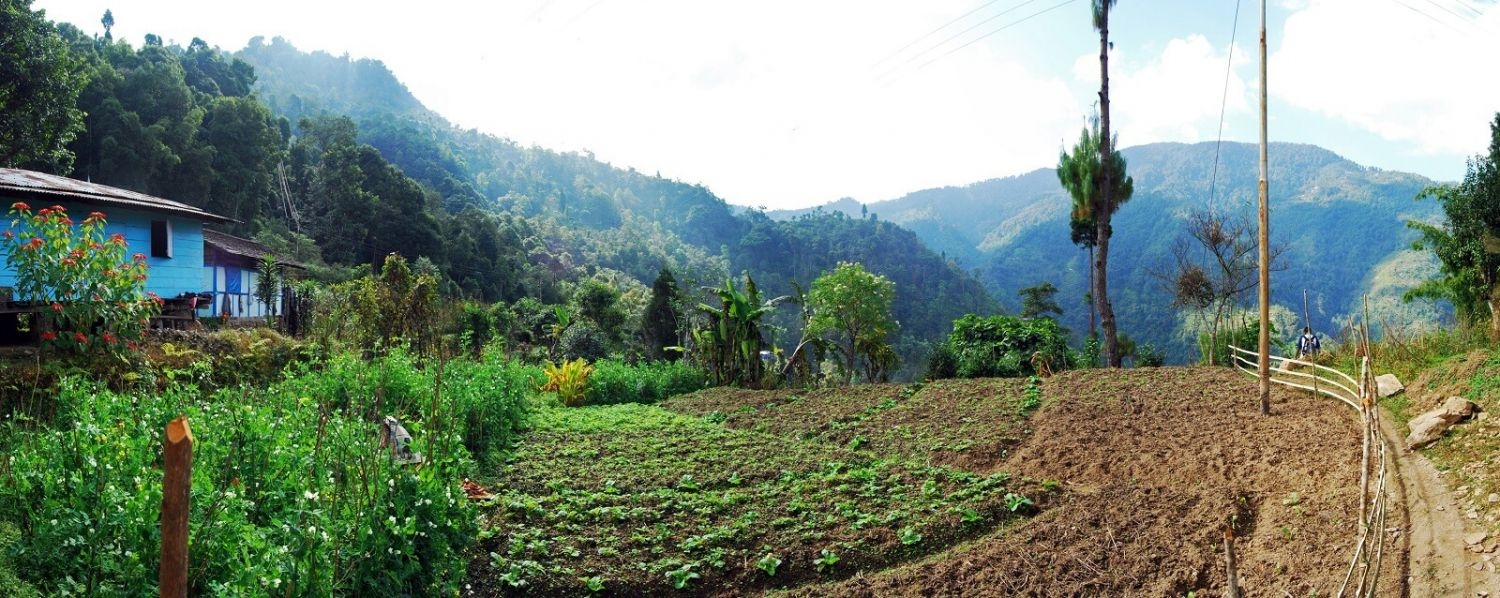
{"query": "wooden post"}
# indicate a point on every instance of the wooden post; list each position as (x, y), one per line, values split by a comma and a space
(1234, 576)
(1265, 235)
(177, 480)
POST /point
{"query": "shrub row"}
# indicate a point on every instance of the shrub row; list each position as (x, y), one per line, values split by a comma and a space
(613, 382)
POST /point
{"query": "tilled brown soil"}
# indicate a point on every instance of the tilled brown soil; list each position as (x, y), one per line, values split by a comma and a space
(1156, 464)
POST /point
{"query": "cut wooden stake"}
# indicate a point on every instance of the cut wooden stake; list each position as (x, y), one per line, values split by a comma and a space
(177, 479)
(1234, 576)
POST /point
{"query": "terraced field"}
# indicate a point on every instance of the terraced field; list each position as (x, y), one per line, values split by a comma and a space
(1088, 483)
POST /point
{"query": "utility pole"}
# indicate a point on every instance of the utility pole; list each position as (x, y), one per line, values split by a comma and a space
(1265, 235)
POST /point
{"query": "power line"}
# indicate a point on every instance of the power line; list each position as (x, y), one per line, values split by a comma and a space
(934, 31)
(1429, 16)
(1213, 179)
(998, 30)
(919, 55)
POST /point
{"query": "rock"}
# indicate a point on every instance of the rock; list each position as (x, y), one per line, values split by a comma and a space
(1475, 538)
(1388, 385)
(1429, 427)
(1477, 566)
(1472, 514)
(1493, 498)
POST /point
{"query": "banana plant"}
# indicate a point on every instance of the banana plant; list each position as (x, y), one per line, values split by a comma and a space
(731, 343)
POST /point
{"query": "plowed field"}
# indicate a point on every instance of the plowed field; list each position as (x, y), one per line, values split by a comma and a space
(1154, 466)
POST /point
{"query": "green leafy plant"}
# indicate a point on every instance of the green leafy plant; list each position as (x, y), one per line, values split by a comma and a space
(682, 576)
(570, 380)
(98, 298)
(768, 564)
(1016, 502)
(910, 537)
(1032, 397)
(594, 584)
(826, 560)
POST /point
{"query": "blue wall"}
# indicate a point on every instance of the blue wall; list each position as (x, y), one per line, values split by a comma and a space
(168, 277)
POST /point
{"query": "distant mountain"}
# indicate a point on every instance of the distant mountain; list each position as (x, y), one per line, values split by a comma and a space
(600, 216)
(1343, 226)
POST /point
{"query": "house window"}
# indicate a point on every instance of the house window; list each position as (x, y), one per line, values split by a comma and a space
(161, 238)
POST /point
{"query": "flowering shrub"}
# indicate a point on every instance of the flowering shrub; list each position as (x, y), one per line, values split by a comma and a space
(97, 297)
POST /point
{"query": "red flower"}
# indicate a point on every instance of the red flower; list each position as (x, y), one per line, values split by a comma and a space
(21, 206)
(36, 243)
(81, 338)
(117, 238)
(109, 338)
(140, 277)
(139, 257)
(7, 234)
(57, 307)
(132, 345)
(99, 215)
(68, 221)
(110, 272)
(44, 212)
(59, 209)
(69, 262)
(49, 336)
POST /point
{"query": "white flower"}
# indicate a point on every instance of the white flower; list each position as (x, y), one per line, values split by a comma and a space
(309, 495)
(391, 483)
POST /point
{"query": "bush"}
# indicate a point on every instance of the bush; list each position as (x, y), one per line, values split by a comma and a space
(1001, 346)
(583, 340)
(942, 362)
(613, 382)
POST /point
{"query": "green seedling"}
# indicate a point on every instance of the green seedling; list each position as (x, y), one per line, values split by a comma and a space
(768, 563)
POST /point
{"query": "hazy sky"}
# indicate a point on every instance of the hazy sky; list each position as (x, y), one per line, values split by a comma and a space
(786, 103)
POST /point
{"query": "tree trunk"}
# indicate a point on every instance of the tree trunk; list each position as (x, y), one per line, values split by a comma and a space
(1106, 200)
(1494, 301)
(1093, 307)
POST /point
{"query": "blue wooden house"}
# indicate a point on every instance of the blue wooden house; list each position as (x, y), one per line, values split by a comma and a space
(231, 275)
(169, 233)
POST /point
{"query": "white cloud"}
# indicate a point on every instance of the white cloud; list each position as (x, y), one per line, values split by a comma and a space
(1413, 73)
(1175, 96)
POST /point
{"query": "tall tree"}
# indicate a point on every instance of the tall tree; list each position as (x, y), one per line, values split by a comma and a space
(1039, 300)
(1108, 202)
(39, 83)
(1468, 244)
(1081, 173)
(659, 324)
(853, 307)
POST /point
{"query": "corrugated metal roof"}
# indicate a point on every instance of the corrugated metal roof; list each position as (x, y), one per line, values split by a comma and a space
(244, 247)
(64, 188)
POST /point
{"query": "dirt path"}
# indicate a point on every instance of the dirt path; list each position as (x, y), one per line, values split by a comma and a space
(1438, 564)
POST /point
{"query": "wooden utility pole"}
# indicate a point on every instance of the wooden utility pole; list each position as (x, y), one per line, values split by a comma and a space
(1265, 235)
(177, 480)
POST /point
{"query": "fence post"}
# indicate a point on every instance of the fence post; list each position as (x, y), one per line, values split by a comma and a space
(177, 478)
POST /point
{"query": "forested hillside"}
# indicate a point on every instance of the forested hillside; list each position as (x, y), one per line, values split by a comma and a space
(332, 162)
(1341, 226)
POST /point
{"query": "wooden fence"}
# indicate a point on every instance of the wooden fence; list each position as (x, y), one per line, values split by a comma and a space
(1369, 547)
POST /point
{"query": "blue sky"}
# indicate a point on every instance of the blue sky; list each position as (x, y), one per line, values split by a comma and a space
(788, 103)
